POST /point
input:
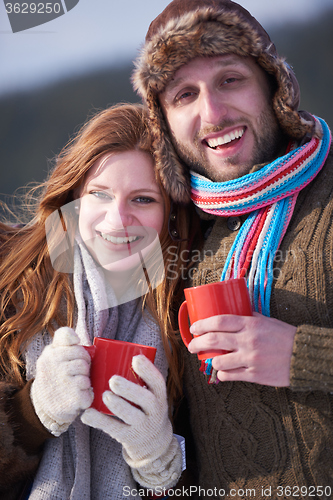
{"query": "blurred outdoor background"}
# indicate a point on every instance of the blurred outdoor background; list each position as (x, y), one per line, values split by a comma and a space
(53, 76)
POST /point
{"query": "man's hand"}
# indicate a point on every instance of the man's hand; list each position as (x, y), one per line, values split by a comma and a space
(260, 347)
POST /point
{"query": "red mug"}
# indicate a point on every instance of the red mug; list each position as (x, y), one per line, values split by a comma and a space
(204, 301)
(113, 357)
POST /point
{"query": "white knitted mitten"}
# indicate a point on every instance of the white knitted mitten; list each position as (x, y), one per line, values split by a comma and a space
(149, 446)
(61, 388)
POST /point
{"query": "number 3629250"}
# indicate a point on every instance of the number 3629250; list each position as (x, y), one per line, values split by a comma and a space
(33, 8)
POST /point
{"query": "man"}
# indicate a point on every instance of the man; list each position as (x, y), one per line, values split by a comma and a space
(223, 107)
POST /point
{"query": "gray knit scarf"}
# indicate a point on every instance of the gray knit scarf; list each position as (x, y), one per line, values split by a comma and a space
(85, 463)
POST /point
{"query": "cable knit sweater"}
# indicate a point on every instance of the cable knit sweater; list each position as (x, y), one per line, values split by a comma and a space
(267, 439)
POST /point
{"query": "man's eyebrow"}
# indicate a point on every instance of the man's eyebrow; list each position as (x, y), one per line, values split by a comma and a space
(176, 82)
(231, 60)
(172, 84)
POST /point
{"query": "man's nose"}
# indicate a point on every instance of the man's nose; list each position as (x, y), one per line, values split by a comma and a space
(212, 107)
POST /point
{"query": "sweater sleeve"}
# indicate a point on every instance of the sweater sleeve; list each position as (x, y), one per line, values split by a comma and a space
(21, 438)
(311, 363)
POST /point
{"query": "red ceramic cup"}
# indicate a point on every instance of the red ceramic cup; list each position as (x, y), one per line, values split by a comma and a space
(214, 299)
(113, 357)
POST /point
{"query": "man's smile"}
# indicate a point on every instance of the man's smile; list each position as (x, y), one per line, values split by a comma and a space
(224, 139)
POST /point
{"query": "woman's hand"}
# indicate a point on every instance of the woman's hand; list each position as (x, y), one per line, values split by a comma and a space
(149, 447)
(62, 388)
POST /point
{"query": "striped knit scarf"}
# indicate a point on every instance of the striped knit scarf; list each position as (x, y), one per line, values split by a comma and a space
(268, 196)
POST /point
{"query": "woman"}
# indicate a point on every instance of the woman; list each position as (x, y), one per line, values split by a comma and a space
(60, 288)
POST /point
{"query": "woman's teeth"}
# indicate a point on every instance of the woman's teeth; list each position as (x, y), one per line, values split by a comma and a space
(225, 139)
(119, 240)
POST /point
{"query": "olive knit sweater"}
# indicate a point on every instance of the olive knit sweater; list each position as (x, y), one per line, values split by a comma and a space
(266, 439)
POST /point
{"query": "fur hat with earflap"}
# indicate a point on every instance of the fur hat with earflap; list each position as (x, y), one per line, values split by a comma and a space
(187, 29)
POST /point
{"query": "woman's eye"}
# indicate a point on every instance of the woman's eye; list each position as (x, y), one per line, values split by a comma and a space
(144, 200)
(101, 195)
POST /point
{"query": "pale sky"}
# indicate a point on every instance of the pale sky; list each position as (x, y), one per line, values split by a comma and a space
(100, 32)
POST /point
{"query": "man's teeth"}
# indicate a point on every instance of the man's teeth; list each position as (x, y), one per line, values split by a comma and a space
(225, 139)
(118, 240)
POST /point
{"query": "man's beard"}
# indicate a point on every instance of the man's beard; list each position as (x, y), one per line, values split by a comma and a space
(268, 143)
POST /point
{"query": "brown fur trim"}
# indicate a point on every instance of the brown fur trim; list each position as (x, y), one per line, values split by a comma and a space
(186, 30)
(172, 171)
(202, 33)
(15, 464)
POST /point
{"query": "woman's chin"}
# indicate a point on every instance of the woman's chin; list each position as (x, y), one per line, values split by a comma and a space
(123, 265)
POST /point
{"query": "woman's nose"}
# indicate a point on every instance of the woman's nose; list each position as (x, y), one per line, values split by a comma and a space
(119, 216)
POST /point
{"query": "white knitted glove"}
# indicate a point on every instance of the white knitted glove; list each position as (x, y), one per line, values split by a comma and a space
(61, 388)
(149, 447)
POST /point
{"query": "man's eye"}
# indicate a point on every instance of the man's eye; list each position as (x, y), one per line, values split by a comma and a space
(229, 80)
(184, 95)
